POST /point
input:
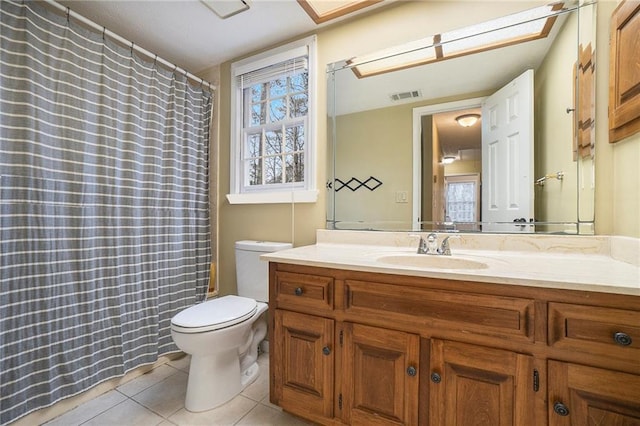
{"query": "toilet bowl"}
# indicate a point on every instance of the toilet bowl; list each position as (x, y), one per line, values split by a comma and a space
(222, 334)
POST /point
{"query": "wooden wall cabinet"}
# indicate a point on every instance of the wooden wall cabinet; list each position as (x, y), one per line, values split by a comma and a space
(624, 71)
(357, 348)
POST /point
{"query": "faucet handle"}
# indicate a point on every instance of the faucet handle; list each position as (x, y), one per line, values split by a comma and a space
(422, 246)
(444, 249)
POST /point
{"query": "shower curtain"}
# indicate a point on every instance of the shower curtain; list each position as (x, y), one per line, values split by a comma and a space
(104, 207)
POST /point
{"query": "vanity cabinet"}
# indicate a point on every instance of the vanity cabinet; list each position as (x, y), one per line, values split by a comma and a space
(582, 395)
(477, 385)
(380, 376)
(364, 348)
(303, 365)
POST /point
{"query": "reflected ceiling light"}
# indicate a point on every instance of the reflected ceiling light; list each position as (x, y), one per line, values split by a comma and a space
(322, 11)
(448, 159)
(398, 57)
(520, 27)
(468, 120)
(227, 8)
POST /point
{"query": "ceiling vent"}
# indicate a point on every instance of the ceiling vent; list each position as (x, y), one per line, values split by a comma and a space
(400, 96)
(227, 8)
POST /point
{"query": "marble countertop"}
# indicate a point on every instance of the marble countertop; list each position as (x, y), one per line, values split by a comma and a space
(588, 263)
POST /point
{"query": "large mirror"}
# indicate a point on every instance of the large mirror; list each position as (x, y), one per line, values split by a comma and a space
(483, 129)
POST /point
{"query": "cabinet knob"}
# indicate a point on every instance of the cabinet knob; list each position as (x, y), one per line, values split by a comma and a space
(560, 409)
(435, 378)
(326, 350)
(411, 371)
(298, 291)
(623, 339)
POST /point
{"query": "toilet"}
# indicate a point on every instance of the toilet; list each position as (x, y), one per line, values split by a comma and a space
(222, 334)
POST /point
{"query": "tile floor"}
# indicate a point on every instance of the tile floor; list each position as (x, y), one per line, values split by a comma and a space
(157, 398)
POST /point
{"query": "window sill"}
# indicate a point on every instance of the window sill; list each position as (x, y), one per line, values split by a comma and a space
(274, 197)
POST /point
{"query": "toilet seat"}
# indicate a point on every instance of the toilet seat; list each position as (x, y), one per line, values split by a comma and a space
(214, 314)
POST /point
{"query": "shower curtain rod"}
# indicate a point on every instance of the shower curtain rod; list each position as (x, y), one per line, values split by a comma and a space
(111, 34)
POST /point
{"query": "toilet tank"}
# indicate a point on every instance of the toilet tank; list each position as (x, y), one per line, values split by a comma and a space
(252, 274)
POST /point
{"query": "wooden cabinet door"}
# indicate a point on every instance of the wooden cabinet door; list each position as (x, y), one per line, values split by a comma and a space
(303, 363)
(583, 396)
(380, 376)
(476, 385)
(624, 71)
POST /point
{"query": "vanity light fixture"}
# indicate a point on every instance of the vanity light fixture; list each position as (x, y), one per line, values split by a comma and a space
(467, 120)
(448, 159)
(520, 27)
(226, 8)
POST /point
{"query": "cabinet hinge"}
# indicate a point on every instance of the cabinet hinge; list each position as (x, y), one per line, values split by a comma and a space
(536, 380)
(340, 401)
(341, 335)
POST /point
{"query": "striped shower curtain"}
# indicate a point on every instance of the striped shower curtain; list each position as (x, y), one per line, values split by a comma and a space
(104, 207)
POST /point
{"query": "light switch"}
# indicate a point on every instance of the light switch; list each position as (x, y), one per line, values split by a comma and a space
(402, 197)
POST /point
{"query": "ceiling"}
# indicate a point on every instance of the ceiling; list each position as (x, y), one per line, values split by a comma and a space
(190, 35)
(454, 138)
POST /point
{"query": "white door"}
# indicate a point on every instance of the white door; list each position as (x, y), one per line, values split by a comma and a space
(507, 157)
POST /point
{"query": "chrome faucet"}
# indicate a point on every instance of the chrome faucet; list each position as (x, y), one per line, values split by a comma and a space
(430, 245)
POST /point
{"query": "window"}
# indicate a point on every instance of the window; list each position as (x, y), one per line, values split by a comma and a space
(462, 196)
(272, 143)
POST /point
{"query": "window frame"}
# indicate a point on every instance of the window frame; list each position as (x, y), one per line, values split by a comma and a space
(297, 192)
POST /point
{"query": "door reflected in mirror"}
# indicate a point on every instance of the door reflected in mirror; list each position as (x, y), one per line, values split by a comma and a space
(399, 128)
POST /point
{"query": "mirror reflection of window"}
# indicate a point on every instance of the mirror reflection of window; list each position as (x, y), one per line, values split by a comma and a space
(462, 198)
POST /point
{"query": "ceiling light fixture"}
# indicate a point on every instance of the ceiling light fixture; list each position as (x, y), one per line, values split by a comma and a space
(520, 27)
(467, 120)
(448, 159)
(227, 8)
(322, 11)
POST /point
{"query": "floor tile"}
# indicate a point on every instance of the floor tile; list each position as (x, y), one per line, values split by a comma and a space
(147, 380)
(181, 363)
(157, 398)
(227, 414)
(88, 410)
(265, 401)
(126, 413)
(260, 388)
(165, 397)
(262, 415)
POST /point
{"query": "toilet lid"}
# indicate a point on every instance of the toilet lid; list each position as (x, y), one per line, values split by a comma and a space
(216, 313)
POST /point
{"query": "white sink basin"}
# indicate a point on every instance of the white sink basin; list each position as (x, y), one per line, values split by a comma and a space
(431, 261)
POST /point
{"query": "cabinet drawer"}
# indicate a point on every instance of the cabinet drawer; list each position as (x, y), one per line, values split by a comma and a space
(455, 312)
(303, 291)
(597, 330)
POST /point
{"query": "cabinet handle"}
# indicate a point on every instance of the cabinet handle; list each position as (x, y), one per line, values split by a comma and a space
(326, 350)
(435, 378)
(411, 371)
(298, 291)
(560, 409)
(623, 339)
